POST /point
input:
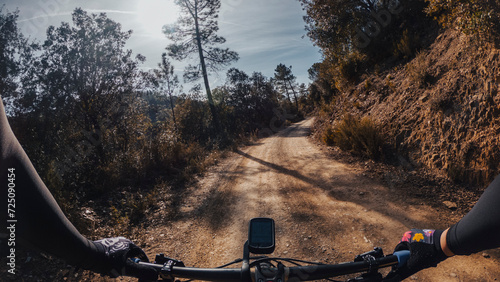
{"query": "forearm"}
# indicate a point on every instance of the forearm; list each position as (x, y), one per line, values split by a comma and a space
(40, 221)
(479, 228)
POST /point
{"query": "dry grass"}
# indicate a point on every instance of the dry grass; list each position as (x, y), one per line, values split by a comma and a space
(418, 70)
(360, 136)
(406, 46)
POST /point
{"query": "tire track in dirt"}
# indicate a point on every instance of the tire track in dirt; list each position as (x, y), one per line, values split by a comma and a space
(324, 211)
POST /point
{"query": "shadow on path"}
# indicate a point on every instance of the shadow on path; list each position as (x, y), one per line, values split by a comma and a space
(279, 168)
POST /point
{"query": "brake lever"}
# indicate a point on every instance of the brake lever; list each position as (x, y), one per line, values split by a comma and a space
(168, 263)
(264, 274)
(372, 275)
(376, 253)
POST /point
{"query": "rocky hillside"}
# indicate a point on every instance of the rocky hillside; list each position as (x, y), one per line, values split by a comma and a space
(440, 110)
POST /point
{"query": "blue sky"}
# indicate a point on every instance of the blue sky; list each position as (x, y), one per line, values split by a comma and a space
(263, 32)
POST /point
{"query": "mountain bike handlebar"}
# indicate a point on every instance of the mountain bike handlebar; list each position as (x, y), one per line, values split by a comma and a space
(369, 265)
(261, 240)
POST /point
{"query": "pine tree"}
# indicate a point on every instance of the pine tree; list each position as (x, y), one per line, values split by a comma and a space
(285, 79)
(194, 33)
(170, 81)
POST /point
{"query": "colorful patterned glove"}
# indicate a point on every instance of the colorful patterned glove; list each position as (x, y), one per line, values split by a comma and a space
(425, 251)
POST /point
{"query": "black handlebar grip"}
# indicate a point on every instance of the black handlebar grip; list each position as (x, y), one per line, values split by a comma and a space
(145, 273)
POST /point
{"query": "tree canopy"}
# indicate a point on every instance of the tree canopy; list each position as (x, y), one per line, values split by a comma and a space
(342, 27)
(86, 61)
(15, 52)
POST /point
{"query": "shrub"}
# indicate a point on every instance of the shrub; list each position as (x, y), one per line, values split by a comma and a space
(352, 67)
(120, 221)
(132, 209)
(406, 46)
(329, 136)
(368, 84)
(459, 173)
(442, 101)
(470, 16)
(361, 136)
(66, 198)
(418, 71)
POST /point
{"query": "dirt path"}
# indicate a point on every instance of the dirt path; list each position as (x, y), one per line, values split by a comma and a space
(324, 211)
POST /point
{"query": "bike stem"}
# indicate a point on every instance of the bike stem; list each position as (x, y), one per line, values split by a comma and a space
(245, 266)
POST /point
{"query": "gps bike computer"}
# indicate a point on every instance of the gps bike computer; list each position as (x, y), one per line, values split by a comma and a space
(261, 235)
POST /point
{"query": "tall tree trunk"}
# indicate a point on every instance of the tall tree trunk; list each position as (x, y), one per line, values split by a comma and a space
(286, 91)
(294, 95)
(213, 110)
(172, 108)
(171, 103)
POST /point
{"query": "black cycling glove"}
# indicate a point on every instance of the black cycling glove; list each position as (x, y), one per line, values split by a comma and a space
(116, 260)
(425, 251)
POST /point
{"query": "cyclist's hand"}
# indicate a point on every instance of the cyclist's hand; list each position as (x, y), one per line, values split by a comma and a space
(118, 252)
(425, 251)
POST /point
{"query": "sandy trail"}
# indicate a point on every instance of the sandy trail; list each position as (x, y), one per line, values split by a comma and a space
(324, 211)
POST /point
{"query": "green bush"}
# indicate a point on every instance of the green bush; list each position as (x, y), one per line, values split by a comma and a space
(360, 136)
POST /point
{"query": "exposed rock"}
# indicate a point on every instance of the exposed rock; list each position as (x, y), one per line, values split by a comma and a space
(450, 205)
